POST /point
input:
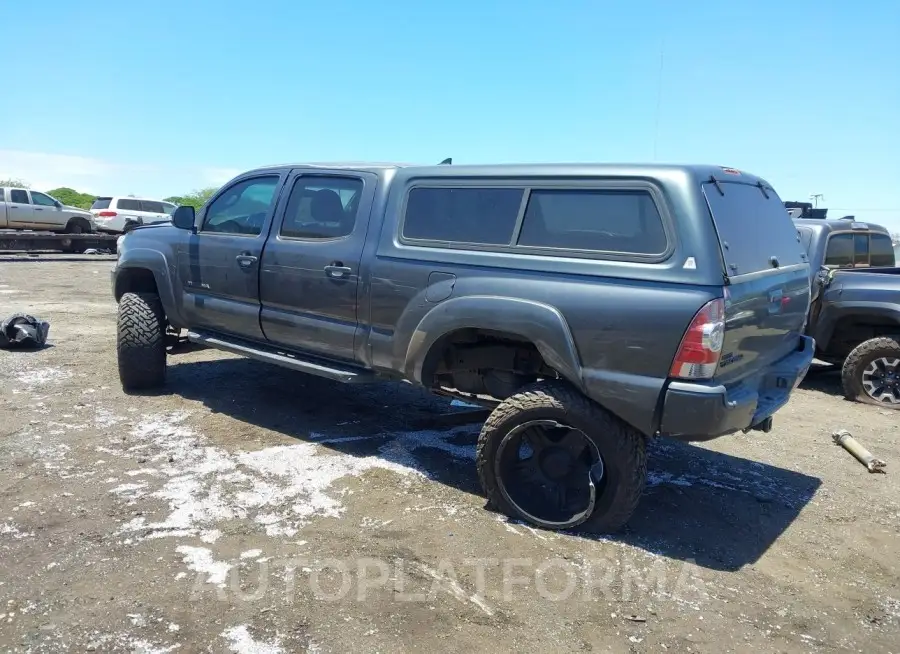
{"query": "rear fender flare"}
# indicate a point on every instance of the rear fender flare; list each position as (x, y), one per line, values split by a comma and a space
(539, 323)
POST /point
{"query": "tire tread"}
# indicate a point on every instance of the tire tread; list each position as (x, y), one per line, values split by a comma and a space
(140, 342)
(851, 370)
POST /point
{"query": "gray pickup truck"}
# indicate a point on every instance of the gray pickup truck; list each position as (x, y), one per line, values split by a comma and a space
(855, 315)
(593, 306)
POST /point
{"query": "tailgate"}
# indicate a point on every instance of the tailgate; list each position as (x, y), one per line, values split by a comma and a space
(767, 294)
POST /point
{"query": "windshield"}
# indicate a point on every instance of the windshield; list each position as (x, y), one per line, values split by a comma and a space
(101, 203)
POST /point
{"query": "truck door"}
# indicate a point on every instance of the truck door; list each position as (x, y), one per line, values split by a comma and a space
(219, 265)
(19, 212)
(45, 213)
(309, 284)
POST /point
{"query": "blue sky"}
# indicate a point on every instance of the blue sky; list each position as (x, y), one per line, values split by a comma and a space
(159, 98)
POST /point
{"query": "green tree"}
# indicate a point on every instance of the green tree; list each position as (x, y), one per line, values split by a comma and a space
(15, 183)
(195, 198)
(72, 197)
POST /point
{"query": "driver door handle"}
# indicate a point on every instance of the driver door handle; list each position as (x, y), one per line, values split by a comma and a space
(246, 260)
(337, 270)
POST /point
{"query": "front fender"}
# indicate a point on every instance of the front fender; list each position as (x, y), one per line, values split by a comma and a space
(539, 323)
(156, 263)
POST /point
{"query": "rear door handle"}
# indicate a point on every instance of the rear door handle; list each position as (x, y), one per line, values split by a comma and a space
(337, 270)
(246, 260)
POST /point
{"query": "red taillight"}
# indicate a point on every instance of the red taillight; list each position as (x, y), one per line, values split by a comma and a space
(107, 214)
(700, 349)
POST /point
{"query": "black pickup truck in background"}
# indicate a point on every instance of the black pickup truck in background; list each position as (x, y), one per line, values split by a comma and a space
(855, 310)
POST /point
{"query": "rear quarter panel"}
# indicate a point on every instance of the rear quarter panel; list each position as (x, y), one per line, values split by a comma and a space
(626, 319)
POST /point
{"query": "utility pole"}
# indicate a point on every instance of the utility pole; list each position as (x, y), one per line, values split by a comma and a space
(815, 197)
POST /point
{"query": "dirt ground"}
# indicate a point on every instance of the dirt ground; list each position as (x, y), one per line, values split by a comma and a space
(254, 510)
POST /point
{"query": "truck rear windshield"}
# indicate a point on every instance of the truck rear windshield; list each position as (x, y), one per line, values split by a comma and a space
(101, 203)
(755, 231)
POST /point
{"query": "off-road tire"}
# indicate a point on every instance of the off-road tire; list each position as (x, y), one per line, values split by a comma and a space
(622, 448)
(857, 361)
(141, 342)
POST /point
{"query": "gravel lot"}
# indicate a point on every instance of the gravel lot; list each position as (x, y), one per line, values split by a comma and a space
(255, 510)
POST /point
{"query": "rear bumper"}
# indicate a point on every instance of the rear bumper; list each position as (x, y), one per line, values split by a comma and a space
(696, 412)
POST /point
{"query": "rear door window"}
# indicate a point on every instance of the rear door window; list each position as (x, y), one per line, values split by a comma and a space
(127, 204)
(152, 207)
(101, 203)
(18, 196)
(755, 231)
(593, 220)
(322, 207)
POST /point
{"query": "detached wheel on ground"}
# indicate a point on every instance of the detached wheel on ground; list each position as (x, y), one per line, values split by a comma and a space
(871, 372)
(554, 458)
(141, 341)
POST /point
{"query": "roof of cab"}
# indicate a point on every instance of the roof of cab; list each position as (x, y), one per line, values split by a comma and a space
(838, 225)
(362, 166)
(700, 172)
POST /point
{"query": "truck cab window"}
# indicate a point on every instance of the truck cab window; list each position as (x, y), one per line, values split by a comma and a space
(242, 208)
(322, 207)
(860, 250)
(840, 251)
(881, 251)
(18, 196)
(42, 200)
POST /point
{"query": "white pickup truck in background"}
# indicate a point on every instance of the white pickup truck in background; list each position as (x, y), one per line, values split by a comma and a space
(26, 209)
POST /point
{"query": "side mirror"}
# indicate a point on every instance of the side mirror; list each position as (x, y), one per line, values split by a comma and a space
(57, 204)
(184, 218)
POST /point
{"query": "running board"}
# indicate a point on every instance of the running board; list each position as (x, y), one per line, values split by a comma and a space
(345, 375)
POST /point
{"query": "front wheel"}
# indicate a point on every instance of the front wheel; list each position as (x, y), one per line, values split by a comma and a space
(77, 226)
(554, 458)
(871, 373)
(141, 341)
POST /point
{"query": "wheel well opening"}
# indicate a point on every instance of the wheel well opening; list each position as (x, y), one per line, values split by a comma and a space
(484, 362)
(853, 330)
(135, 280)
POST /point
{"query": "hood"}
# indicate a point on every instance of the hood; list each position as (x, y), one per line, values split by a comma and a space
(83, 212)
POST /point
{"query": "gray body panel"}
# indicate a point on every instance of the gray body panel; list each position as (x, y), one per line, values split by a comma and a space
(610, 325)
(864, 300)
